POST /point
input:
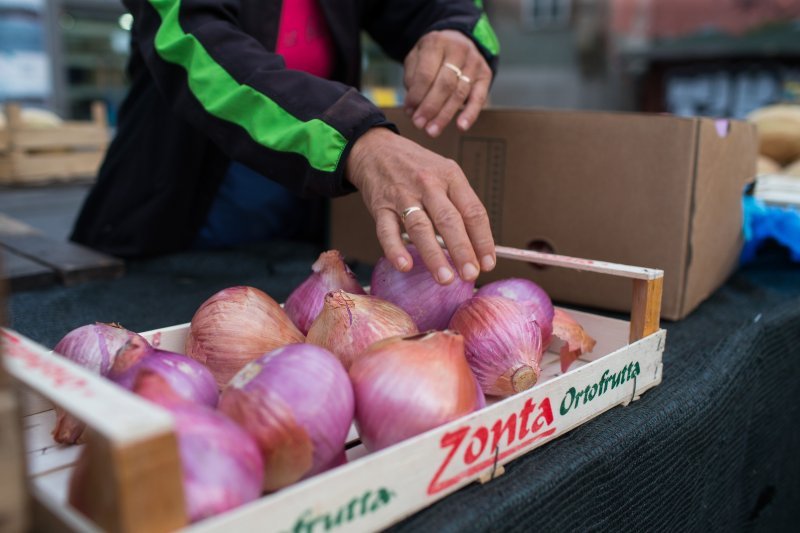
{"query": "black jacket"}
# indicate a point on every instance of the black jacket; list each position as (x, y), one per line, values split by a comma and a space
(207, 88)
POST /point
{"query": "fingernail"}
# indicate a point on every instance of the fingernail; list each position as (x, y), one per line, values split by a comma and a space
(487, 263)
(433, 130)
(469, 272)
(402, 263)
(445, 275)
(419, 122)
(463, 124)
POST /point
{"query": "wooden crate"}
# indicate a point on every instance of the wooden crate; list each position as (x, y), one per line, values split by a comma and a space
(33, 154)
(134, 457)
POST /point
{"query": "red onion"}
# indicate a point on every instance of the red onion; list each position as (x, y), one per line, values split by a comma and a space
(502, 343)
(405, 386)
(221, 466)
(94, 347)
(416, 292)
(298, 404)
(530, 295)
(235, 326)
(188, 378)
(576, 340)
(329, 273)
(349, 323)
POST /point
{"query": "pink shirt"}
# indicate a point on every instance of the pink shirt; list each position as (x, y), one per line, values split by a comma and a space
(304, 40)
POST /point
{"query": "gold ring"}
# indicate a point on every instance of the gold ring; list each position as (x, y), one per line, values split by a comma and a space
(465, 78)
(454, 69)
(407, 211)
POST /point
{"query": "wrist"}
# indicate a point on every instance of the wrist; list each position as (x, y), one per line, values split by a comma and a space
(361, 150)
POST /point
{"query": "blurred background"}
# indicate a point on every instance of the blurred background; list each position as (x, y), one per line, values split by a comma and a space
(708, 57)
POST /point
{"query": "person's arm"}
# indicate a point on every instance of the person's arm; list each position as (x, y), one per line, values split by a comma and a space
(291, 126)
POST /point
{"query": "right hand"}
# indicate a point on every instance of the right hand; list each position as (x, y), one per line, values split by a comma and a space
(394, 173)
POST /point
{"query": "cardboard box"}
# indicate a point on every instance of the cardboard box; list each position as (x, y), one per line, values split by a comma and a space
(651, 190)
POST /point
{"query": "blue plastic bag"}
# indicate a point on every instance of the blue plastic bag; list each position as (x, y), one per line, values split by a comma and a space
(763, 222)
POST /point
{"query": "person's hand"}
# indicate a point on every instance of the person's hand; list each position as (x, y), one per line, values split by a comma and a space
(394, 174)
(443, 72)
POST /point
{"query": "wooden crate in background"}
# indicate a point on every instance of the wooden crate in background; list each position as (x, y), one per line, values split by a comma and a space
(42, 154)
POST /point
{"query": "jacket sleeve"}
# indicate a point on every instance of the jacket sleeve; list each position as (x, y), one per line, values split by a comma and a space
(288, 125)
(397, 25)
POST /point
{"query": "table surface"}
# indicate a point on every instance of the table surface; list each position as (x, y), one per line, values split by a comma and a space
(714, 447)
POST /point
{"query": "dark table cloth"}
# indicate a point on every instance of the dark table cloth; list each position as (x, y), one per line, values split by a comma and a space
(715, 447)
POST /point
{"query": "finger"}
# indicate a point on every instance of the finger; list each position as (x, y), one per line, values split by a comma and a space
(409, 67)
(426, 69)
(451, 106)
(420, 230)
(445, 84)
(448, 221)
(476, 222)
(387, 227)
(475, 103)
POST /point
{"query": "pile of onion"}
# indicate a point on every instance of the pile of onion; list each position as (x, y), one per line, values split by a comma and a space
(502, 343)
(428, 303)
(329, 273)
(350, 323)
(235, 326)
(221, 465)
(94, 347)
(405, 386)
(298, 404)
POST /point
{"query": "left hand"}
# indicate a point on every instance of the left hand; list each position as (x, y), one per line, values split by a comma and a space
(435, 88)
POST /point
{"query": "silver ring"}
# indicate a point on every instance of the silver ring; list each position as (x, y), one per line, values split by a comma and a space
(408, 210)
(454, 69)
(465, 78)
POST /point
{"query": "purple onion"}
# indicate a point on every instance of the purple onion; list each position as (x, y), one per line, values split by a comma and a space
(533, 298)
(297, 402)
(94, 347)
(221, 465)
(502, 344)
(428, 303)
(189, 379)
(329, 273)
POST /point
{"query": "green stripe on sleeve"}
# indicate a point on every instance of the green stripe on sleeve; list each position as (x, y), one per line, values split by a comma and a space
(485, 35)
(223, 97)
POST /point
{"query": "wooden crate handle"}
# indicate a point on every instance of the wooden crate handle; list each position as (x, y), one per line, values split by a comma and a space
(133, 470)
(647, 282)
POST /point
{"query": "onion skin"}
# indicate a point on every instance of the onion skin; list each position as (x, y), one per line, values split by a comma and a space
(350, 323)
(502, 343)
(329, 272)
(428, 303)
(96, 348)
(576, 340)
(405, 386)
(235, 326)
(220, 464)
(531, 296)
(297, 402)
(188, 379)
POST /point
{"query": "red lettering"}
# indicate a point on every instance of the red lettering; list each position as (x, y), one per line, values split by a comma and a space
(498, 428)
(454, 439)
(527, 409)
(477, 448)
(482, 434)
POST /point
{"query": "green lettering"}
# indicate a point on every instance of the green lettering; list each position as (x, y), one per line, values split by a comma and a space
(636, 369)
(592, 392)
(364, 499)
(301, 525)
(604, 382)
(351, 507)
(615, 380)
(563, 409)
(586, 395)
(331, 523)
